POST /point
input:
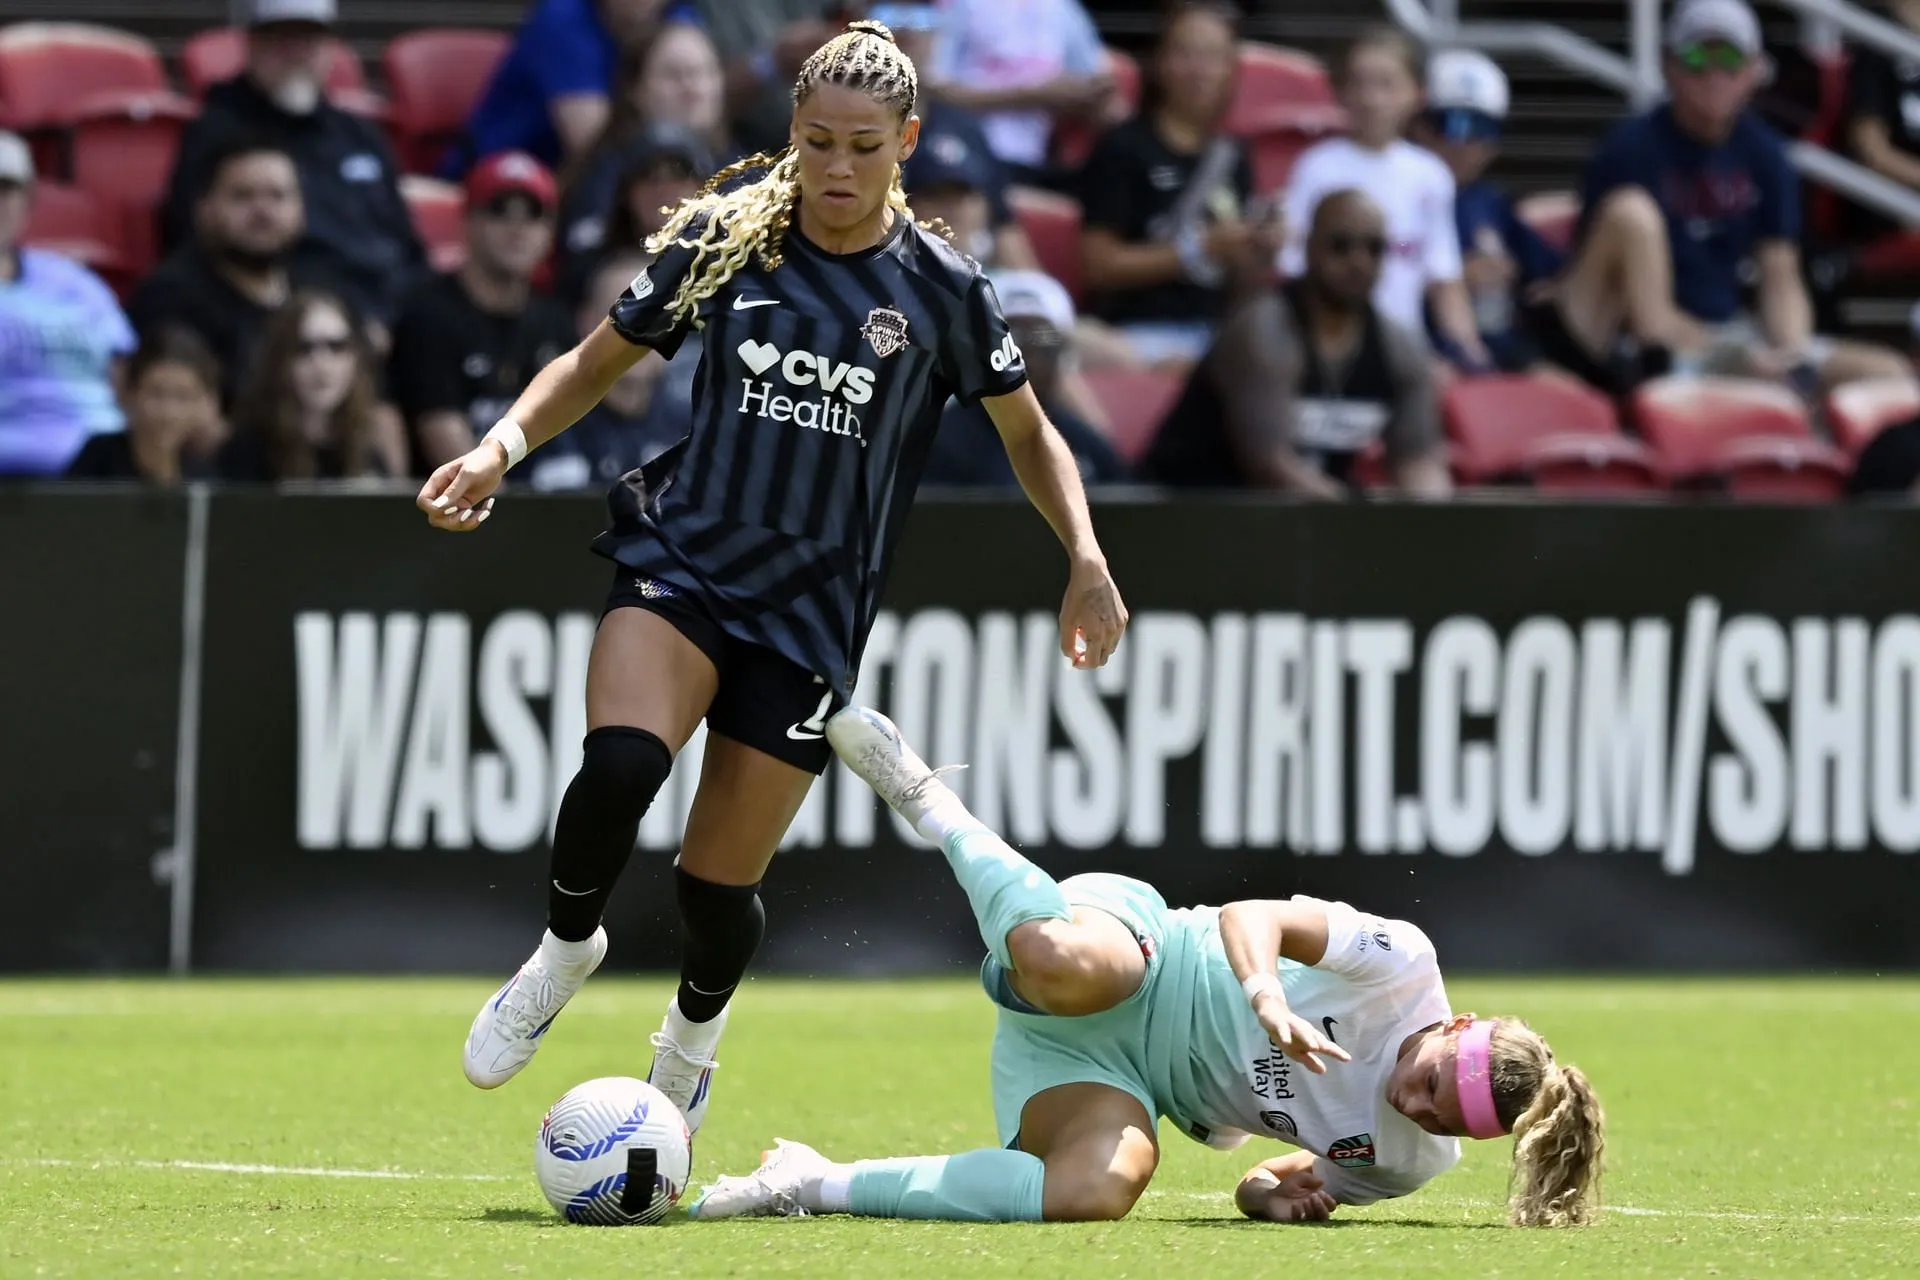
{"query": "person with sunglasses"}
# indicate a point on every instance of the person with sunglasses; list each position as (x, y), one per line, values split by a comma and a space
(1304, 381)
(466, 341)
(1677, 203)
(1501, 256)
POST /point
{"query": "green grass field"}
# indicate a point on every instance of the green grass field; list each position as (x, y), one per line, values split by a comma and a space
(151, 1128)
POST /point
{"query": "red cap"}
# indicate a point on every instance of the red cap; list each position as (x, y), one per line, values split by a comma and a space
(511, 173)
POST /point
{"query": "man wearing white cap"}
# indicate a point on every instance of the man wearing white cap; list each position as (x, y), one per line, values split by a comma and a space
(967, 451)
(1501, 256)
(1677, 201)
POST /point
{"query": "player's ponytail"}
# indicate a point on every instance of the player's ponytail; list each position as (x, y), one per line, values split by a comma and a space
(1559, 1131)
(725, 228)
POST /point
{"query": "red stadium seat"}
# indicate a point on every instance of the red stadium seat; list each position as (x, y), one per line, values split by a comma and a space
(127, 161)
(1859, 411)
(54, 73)
(1052, 222)
(1897, 254)
(75, 224)
(1073, 140)
(1552, 432)
(221, 54)
(1554, 214)
(1752, 437)
(439, 212)
(434, 77)
(1275, 148)
(1272, 82)
(1136, 401)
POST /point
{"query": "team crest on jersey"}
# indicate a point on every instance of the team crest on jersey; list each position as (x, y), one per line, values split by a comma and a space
(1352, 1153)
(885, 331)
(1281, 1123)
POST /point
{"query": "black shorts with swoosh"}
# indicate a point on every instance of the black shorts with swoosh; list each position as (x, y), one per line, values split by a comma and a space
(764, 699)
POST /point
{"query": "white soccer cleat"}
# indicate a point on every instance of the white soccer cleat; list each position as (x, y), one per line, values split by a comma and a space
(788, 1174)
(511, 1024)
(685, 1077)
(870, 745)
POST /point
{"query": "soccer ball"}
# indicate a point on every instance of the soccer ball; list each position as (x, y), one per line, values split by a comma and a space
(613, 1153)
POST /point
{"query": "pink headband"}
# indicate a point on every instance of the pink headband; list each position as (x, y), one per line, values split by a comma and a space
(1473, 1076)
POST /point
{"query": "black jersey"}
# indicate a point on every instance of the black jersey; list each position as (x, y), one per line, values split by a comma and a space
(818, 395)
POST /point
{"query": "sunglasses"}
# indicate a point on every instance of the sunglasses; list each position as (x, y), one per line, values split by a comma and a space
(510, 206)
(1373, 246)
(331, 346)
(1463, 124)
(1713, 55)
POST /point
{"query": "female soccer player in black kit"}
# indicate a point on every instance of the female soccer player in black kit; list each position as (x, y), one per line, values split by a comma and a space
(749, 559)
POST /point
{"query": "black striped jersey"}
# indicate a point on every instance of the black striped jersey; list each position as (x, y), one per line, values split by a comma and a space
(818, 395)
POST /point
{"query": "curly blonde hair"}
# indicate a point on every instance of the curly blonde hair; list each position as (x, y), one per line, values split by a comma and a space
(726, 228)
(1559, 1130)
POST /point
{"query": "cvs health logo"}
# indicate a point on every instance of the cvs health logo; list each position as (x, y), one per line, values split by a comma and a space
(838, 386)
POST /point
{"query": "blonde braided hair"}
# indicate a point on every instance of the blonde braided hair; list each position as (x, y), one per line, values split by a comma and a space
(1559, 1130)
(726, 228)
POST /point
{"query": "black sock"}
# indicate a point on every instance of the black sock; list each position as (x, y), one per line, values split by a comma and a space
(621, 770)
(720, 926)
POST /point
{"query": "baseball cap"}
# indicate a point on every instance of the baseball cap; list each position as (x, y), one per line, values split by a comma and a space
(1706, 21)
(1034, 295)
(1466, 80)
(511, 173)
(322, 12)
(947, 159)
(16, 160)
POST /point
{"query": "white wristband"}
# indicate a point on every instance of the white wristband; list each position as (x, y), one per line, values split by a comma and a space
(1259, 984)
(508, 435)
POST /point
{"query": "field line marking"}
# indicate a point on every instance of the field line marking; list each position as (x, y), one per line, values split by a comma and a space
(264, 1170)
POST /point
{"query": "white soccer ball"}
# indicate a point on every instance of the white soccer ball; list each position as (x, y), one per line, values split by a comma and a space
(613, 1153)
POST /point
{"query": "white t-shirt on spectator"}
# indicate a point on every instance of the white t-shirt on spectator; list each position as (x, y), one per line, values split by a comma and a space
(1015, 44)
(1413, 188)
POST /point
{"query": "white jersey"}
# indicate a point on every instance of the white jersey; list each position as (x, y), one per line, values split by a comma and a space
(1414, 190)
(1378, 983)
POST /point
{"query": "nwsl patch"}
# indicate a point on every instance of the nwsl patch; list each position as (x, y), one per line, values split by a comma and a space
(1352, 1153)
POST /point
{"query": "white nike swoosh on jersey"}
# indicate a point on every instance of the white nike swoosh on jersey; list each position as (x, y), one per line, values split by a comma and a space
(798, 734)
(570, 892)
(743, 304)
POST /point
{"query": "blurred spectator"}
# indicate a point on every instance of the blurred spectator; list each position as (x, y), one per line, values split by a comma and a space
(656, 169)
(1379, 85)
(61, 336)
(1502, 257)
(1168, 222)
(467, 342)
(307, 412)
(642, 415)
(236, 271)
(952, 144)
(1303, 380)
(358, 229)
(551, 94)
(1022, 64)
(1883, 128)
(968, 451)
(1676, 202)
(762, 44)
(172, 400)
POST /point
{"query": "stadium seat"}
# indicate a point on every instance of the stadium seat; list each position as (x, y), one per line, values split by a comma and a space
(75, 224)
(439, 216)
(1273, 83)
(54, 73)
(1897, 254)
(1273, 150)
(1073, 140)
(1751, 437)
(1554, 214)
(1859, 411)
(1052, 222)
(221, 53)
(127, 161)
(1136, 401)
(434, 78)
(1551, 432)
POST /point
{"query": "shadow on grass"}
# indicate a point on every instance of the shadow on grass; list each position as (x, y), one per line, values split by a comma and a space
(547, 1218)
(1338, 1224)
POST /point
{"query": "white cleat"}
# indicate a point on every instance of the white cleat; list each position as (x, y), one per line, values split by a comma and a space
(788, 1175)
(684, 1077)
(870, 745)
(511, 1024)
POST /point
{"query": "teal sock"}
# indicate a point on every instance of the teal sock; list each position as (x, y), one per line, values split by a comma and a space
(1004, 888)
(994, 1185)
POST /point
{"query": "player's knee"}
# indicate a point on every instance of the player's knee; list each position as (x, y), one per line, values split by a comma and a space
(621, 766)
(1629, 211)
(1106, 1197)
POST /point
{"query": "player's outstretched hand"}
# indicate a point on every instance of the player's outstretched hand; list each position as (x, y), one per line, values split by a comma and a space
(458, 496)
(1093, 618)
(1294, 1036)
(1301, 1196)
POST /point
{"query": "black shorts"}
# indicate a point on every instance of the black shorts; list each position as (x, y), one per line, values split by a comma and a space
(1616, 373)
(764, 699)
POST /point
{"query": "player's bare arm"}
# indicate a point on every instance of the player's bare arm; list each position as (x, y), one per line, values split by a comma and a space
(1285, 1189)
(1257, 932)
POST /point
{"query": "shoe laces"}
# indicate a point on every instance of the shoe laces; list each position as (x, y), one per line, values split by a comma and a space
(680, 1065)
(918, 791)
(527, 1003)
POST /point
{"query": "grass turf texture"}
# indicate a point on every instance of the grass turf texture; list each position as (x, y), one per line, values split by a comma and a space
(1773, 1125)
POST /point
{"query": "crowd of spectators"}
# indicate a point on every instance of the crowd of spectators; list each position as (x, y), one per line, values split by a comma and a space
(294, 329)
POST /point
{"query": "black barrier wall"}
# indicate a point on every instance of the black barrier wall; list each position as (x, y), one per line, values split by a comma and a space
(1557, 737)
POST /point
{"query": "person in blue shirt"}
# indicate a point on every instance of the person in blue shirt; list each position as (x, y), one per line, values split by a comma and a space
(1676, 202)
(1502, 258)
(550, 96)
